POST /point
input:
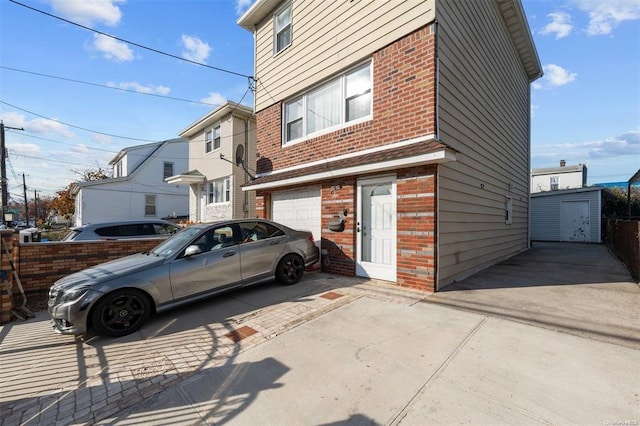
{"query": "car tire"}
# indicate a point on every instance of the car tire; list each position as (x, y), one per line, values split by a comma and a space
(290, 269)
(120, 313)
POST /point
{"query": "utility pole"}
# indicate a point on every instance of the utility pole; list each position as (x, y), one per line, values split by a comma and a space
(35, 210)
(3, 167)
(26, 202)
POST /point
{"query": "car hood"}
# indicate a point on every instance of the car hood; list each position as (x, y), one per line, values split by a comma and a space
(110, 270)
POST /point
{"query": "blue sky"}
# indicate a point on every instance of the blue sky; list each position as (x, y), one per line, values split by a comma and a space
(586, 109)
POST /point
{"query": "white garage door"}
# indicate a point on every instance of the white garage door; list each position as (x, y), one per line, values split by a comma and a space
(298, 210)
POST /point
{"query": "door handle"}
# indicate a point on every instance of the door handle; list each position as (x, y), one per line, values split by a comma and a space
(273, 243)
(229, 254)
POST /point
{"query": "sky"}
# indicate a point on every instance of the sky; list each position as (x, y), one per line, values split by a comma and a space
(82, 96)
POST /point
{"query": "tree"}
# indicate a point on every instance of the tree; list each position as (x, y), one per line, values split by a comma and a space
(64, 202)
(615, 205)
(90, 175)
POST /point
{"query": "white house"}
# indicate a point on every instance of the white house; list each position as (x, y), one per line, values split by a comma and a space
(556, 178)
(222, 157)
(137, 189)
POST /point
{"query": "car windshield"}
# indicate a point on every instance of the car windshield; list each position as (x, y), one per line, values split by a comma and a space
(176, 242)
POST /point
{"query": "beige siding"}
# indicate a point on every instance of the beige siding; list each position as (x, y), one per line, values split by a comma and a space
(328, 40)
(483, 113)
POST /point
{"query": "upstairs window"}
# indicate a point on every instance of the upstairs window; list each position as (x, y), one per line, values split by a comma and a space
(149, 205)
(335, 103)
(282, 29)
(212, 139)
(553, 184)
(168, 170)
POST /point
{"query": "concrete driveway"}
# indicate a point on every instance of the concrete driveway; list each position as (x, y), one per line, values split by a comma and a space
(550, 336)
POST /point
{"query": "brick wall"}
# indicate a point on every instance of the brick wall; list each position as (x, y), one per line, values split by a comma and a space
(403, 108)
(39, 265)
(337, 197)
(6, 302)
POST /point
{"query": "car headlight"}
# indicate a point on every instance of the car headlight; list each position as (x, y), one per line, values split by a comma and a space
(74, 293)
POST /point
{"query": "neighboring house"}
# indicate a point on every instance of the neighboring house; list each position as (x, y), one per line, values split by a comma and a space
(556, 178)
(571, 215)
(137, 189)
(397, 132)
(222, 157)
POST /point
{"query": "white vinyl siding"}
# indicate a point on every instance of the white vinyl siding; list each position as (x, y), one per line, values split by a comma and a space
(336, 103)
(484, 109)
(328, 40)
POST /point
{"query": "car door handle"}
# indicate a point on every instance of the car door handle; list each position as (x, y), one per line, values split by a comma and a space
(229, 254)
(273, 243)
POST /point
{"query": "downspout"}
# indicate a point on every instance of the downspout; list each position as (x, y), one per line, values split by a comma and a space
(437, 108)
(246, 207)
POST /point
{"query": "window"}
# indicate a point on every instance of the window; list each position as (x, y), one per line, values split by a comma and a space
(149, 205)
(219, 191)
(215, 239)
(256, 231)
(282, 29)
(333, 104)
(553, 184)
(118, 169)
(168, 169)
(212, 139)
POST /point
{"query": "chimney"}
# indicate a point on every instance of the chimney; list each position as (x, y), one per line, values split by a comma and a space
(563, 163)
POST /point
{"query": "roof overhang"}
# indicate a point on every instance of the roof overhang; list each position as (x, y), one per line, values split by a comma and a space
(216, 115)
(392, 157)
(256, 13)
(190, 178)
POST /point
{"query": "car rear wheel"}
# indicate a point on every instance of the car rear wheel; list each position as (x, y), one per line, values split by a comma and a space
(120, 313)
(290, 269)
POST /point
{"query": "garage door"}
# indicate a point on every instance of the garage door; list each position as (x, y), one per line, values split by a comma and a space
(298, 210)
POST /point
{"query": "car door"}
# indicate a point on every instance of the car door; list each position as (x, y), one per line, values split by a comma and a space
(260, 249)
(215, 267)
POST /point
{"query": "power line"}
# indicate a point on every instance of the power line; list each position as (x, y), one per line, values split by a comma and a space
(133, 43)
(76, 127)
(107, 86)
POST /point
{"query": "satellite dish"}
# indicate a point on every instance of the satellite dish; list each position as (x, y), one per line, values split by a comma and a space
(239, 154)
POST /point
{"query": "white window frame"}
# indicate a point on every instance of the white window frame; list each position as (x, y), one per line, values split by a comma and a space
(212, 139)
(287, 27)
(164, 169)
(149, 205)
(218, 194)
(343, 106)
(554, 183)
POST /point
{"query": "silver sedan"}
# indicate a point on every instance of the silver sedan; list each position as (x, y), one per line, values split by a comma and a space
(117, 297)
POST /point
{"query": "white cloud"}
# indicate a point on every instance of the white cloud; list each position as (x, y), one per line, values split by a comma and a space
(195, 49)
(625, 144)
(140, 88)
(100, 138)
(42, 126)
(80, 149)
(242, 6)
(560, 25)
(112, 49)
(88, 12)
(554, 76)
(214, 98)
(29, 149)
(605, 15)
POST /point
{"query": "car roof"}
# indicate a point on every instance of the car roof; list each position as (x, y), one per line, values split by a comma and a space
(123, 222)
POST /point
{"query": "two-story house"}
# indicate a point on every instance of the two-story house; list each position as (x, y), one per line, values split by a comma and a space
(556, 178)
(397, 131)
(222, 157)
(137, 189)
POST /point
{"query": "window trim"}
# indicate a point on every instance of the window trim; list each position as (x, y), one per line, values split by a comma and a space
(343, 108)
(227, 186)
(164, 169)
(210, 145)
(276, 33)
(148, 197)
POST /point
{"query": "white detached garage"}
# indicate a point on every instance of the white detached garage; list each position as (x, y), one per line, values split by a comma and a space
(571, 215)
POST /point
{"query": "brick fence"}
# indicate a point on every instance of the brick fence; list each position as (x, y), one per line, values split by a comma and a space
(39, 265)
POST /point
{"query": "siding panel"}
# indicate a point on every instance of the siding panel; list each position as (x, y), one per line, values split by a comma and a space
(483, 113)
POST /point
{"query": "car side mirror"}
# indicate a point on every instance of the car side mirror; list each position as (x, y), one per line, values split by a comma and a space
(192, 250)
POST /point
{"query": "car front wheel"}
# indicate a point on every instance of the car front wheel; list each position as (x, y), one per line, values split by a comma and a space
(290, 269)
(120, 313)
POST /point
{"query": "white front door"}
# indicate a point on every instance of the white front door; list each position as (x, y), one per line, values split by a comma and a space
(376, 228)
